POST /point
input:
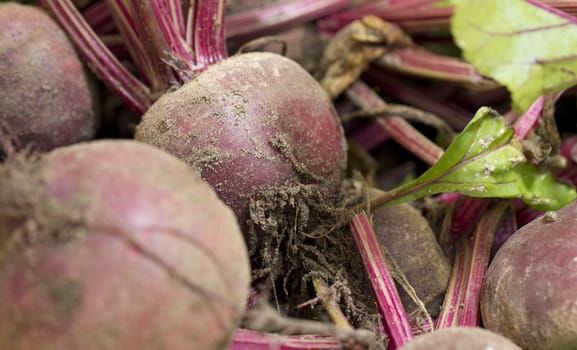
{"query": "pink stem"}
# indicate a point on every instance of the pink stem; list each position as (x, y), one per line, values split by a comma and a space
(454, 295)
(482, 243)
(154, 33)
(133, 92)
(171, 23)
(98, 18)
(541, 4)
(461, 306)
(388, 301)
(399, 129)
(369, 135)
(449, 197)
(427, 64)
(414, 15)
(265, 20)
(468, 211)
(424, 17)
(124, 15)
(452, 113)
(209, 43)
(528, 121)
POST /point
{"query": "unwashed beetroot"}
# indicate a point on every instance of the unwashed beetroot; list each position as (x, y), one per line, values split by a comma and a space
(116, 245)
(530, 290)
(250, 122)
(411, 242)
(460, 338)
(46, 97)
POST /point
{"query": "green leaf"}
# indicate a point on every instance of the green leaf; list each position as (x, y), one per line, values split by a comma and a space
(522, 44)
(486, 160)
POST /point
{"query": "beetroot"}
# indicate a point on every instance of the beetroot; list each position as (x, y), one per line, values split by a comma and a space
(411, 242)
(116, 245)
(249, 122)
(530, 291)
(46, 98)
(460, 338)
(246, 128)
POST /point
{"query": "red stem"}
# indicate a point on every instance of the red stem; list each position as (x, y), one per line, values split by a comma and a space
(418, 19)
(209, 43)
(264, 20)
(480, 255)
(123, 13)
(452, 113)
(461, 306)
(98, 17)
(399, 129)
(427, 64)
(389, 303)
(99, 58)
(528, 121)
(171, 22)
(425, 17)
(154, 33)
(468, 211)
(412, 15)
(369, 135)
(454, 296)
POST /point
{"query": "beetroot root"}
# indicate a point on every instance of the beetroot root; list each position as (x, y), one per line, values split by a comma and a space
(530, 290)
(250, 122)
(46, 97)
(121, 246)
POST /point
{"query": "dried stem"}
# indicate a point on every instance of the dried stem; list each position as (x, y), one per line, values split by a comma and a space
(264, 318)
(326, 294)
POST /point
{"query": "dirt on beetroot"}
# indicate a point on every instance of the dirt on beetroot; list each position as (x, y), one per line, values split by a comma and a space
(26, 205)
(300, 232)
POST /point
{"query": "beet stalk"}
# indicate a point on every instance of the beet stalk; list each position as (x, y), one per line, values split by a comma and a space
(389, 303)
(461, 307)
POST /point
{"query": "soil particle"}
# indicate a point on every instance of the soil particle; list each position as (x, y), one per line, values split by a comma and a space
(299, 232)
(29, 214)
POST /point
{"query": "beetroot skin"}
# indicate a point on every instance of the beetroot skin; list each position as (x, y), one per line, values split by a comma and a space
(129, 249)
(530, 291)
(250, 122)
(46, 97)
(460, 338)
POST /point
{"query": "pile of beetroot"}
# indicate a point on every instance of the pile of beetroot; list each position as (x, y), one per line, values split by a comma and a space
(205, 174)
